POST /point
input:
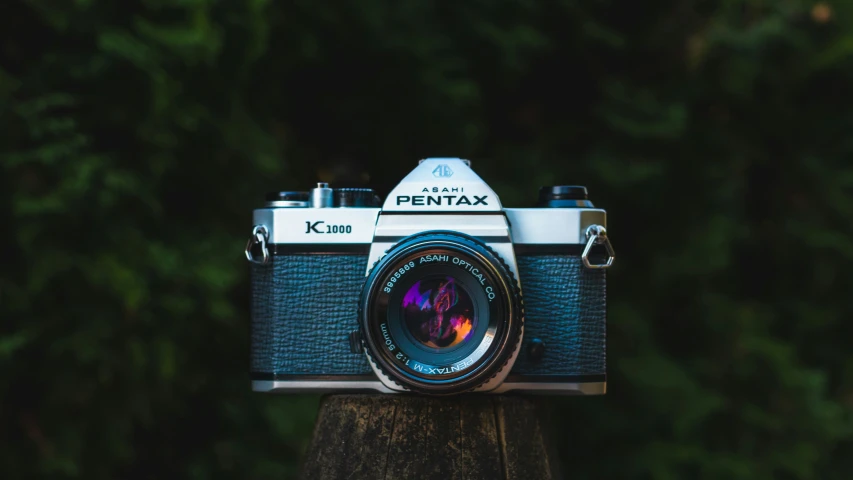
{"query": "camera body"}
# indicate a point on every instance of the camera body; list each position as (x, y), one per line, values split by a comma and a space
(440, 290)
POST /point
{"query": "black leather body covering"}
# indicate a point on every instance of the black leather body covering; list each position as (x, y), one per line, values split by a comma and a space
(564, 305)
(305, 305)
(303, 309)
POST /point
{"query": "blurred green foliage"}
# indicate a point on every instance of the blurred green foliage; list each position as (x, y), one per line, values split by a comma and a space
(138, 135)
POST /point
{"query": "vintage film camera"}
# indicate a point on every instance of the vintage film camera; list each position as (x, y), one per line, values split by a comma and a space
(439, 290)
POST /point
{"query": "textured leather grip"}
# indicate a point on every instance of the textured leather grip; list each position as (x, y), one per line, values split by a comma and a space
(305, 306)
(565, 308)
(303, 309)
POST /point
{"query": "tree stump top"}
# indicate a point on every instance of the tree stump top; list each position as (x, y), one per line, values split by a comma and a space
(403, 437)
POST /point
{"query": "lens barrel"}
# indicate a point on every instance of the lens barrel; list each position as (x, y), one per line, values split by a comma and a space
(440, 313)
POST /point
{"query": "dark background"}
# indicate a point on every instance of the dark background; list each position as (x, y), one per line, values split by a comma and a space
(137, 136)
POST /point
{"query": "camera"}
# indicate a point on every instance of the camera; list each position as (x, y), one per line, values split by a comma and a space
(439, 290)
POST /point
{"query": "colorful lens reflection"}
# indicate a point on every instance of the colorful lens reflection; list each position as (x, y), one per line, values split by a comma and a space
(438, 312)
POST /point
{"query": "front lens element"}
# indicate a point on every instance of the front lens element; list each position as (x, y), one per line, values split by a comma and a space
(439, 313)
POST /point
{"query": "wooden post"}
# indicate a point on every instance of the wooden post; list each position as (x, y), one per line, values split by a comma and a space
(415, 437)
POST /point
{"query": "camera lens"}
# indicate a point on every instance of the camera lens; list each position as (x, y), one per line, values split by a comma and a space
(440, 313)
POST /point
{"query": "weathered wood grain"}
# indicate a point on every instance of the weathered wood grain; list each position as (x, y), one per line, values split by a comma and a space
(413, 437)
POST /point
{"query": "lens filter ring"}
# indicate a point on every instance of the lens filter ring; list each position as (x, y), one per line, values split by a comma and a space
(440, 313)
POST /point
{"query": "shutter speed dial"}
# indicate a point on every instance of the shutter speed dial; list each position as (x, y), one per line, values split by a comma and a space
(356, 197)
(323, 196)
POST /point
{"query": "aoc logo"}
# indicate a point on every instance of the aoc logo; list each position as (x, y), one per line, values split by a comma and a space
(442, 171)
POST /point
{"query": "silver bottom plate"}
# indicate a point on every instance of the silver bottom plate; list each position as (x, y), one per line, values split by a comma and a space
(332, 386)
